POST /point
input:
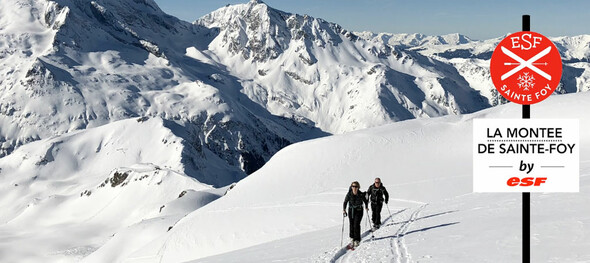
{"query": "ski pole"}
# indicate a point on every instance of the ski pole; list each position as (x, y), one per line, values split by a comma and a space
(390, 216)
(370, 228)
(368, 224)
(342, 236)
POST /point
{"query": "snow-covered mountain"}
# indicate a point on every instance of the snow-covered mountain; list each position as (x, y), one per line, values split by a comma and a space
(414, 40)
(117, 120)
(69, 65)
(471, 58)
(63, 197)
(246, 79)
(304, 67)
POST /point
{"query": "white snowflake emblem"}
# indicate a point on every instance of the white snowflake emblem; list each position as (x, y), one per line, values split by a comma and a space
(526, 81)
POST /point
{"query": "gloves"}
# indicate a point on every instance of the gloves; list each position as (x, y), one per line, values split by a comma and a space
(344, 213)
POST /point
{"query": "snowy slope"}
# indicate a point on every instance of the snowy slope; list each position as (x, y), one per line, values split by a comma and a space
(420, 161)
(63, 197)
(467, 228)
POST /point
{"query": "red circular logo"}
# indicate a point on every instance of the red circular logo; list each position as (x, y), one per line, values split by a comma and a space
(526, 67)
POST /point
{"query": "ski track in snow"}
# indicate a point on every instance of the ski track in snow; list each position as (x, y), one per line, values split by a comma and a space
(398, 248)
(398, 244)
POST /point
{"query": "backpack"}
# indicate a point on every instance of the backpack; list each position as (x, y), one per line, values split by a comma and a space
(376, 194)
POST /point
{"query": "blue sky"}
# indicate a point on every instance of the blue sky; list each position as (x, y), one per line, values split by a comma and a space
(475, 18)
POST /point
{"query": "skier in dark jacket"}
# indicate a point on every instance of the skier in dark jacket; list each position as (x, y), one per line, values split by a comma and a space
(375, 193)
(355, 199)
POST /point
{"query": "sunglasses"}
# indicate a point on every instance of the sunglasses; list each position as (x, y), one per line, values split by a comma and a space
(355, 186)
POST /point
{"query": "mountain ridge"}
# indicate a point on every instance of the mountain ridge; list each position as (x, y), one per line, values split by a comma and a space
(333, 62)
(248, 69)
(103, 61)
(103, 99)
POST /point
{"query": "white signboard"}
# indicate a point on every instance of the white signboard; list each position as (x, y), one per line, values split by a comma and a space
(526, 155)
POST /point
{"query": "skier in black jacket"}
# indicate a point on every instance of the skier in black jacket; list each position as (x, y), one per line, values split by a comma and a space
(355, 199)
(376, 192)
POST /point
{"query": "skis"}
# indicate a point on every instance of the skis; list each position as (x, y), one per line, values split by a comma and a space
(350, 247)
(375, 228)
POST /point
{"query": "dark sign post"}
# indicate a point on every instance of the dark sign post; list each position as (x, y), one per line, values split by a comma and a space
(526, 196)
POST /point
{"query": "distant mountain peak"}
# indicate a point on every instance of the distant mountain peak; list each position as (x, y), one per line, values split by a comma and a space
(416, 39)
(260, 32)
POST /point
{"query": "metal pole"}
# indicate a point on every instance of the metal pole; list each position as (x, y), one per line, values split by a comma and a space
(526, 196)
(342, 236)
(370, 224)
(390, 216)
